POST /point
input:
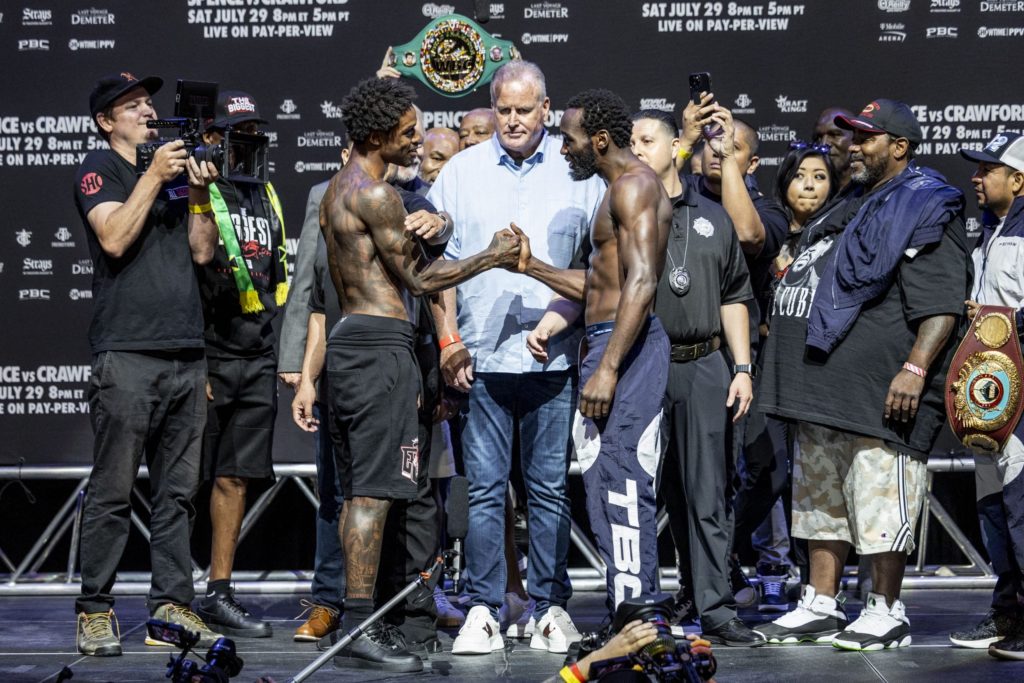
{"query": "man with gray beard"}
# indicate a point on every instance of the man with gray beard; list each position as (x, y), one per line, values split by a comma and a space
(860, 362)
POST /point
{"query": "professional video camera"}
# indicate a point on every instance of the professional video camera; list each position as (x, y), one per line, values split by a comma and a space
(239, 157)
(666, 659)
(222, 663)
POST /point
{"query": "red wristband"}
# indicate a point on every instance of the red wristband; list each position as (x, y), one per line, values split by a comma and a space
(449, 340)
(910, 367)
(576, 672)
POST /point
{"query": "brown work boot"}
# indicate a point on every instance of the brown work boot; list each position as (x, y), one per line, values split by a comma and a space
(322, 620)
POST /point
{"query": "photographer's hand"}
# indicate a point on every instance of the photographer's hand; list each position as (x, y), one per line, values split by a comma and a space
(633, 636)
(201, 175)
(168, 161)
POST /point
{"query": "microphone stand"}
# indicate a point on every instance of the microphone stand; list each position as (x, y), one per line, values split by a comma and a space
(421, 581)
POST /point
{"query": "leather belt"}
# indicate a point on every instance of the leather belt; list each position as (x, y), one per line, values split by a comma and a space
(682, 353)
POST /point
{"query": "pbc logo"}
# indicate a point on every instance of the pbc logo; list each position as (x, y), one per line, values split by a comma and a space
(33, 44)
(92, 182)
(33, 295)
(941, 32)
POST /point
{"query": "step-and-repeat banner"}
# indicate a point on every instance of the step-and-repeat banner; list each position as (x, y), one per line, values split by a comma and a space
(776, 64)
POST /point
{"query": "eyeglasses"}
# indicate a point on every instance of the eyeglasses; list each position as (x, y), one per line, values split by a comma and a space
(819, 148)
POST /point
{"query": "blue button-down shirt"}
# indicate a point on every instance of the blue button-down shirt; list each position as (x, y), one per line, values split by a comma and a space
(484, 190)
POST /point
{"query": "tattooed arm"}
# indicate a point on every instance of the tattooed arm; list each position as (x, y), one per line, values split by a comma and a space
(380, 208)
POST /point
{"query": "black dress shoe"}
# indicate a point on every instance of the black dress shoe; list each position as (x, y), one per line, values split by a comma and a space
(327, 641)
(377, 649)
(223, 614)
(733, 633)
(430, 646)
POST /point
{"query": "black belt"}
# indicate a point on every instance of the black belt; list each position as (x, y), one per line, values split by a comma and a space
(682, 353)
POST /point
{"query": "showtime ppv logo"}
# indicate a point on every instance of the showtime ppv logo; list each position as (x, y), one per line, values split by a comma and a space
(79, 294)
(536, 38)
(75, 44)
(1001, 32)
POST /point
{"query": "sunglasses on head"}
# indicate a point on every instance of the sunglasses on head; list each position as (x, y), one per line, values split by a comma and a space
(814, 147)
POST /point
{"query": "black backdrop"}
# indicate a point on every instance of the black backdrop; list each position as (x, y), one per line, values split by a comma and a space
(956, 62)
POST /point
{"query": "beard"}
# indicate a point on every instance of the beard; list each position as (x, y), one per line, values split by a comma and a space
(583, 165)
(405, 174)
(869, 174)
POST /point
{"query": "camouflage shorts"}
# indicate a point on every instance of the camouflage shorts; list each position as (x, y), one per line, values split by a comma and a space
(855, 489)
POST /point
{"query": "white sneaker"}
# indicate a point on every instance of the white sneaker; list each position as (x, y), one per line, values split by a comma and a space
(480, 634)
(816, 619)
(878, 627)
(555, 632)
(447, 615)
(515, 613)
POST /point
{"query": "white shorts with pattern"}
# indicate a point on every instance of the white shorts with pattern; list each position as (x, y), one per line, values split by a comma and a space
(855, 489)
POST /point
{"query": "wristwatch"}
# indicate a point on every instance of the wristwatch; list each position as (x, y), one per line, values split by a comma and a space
(747, 368)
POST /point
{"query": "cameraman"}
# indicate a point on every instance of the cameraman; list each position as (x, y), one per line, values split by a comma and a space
(146, 392)
(242, 289)
(632, 638)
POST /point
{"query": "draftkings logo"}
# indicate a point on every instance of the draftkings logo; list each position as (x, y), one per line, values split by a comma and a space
(788, 106)
(330, 110)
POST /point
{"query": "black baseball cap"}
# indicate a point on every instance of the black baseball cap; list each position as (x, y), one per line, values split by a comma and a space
(112, 86)
(1006, 148)
(235, 107)
(885, 116)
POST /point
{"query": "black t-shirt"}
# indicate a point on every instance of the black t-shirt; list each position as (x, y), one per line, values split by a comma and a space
(846, 389)
(148, 299)
(776, 228)
(704, 242)
(228, 331)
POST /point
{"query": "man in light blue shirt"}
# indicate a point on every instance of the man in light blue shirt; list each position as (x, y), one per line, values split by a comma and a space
(517, 176)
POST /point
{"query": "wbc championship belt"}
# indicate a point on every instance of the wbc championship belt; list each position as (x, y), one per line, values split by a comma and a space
(453, 56)
(983, 385)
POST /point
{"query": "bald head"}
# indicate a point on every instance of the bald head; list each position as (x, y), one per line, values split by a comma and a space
(826, 132)
(477, 125)
(439, 145)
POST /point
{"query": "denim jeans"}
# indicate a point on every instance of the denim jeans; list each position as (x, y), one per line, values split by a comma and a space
(329, 564)
(541, 403)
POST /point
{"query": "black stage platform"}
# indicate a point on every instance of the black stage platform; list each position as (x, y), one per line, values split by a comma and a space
(37, 639)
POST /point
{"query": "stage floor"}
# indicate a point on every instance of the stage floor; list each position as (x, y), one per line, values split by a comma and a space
(37, 640)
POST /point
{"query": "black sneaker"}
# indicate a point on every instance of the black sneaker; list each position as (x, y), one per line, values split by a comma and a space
(377, 649)
(994, 626)
(742, 590)
(684, 616)
(772, 578)
(1008, 648)
(733, 633)
(225, 615)
(816, 619)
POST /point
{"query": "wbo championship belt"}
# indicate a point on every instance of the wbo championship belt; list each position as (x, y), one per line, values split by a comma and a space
(453, 56)
(983, 385)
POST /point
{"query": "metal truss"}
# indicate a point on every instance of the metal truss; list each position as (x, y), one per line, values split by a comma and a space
(24, 577)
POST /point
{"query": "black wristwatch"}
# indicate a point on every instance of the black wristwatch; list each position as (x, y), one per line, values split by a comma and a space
(747, 368)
